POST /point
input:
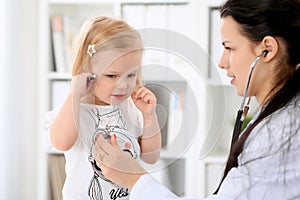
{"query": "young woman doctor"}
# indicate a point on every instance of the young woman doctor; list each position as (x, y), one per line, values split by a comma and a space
(264, 163)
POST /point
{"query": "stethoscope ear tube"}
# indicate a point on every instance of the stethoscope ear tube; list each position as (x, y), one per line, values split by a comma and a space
(237, 128)
(239, 120)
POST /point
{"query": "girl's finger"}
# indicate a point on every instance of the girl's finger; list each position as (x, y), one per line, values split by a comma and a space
(148, 98)
(139, 90)
(142, 93)
(134, 96)
(90, 80)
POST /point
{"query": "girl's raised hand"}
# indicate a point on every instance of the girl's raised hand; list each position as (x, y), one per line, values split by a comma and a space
(80, 84)
(144, 100)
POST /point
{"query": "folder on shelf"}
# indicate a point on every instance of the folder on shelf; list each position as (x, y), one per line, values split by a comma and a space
(71, 26)
(175, 116)
(58, 43)
(57, 176)
(63, 30)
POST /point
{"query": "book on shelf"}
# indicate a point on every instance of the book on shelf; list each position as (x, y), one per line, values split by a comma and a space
(63, 31)
(175, 116)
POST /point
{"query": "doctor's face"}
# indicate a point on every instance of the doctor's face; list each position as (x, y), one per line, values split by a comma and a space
(237, 56)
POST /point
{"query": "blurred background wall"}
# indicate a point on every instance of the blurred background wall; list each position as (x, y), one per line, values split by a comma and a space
(18, 100)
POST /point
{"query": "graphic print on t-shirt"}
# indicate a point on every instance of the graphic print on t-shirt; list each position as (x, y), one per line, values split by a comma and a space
(111, 123)
(107, 124)
(108, 120)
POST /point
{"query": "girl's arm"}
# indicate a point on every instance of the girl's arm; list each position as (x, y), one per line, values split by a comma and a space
(150, 141)
(64, 129)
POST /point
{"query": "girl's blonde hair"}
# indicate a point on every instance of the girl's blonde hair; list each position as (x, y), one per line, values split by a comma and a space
(106, 33)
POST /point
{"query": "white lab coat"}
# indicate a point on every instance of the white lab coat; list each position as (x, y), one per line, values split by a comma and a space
(268, 167)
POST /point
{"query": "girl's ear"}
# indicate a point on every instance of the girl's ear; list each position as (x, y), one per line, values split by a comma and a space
(138, 83)
(139, 79)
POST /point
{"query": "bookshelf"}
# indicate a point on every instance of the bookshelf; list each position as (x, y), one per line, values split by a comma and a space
(193, 151)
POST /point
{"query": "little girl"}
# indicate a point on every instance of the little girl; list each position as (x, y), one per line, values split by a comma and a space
(107, 98)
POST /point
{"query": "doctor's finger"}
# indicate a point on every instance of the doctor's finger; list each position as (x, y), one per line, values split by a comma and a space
(99, 153)
(105, 146)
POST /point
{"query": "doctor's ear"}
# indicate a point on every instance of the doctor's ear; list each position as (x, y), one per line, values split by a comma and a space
(270, 48)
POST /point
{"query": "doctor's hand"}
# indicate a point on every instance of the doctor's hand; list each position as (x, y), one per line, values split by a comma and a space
(117, 165)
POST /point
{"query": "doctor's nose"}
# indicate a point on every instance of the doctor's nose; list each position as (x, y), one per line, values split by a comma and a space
(223, 62)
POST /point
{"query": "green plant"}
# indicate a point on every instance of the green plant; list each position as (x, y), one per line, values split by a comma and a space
(246, 121)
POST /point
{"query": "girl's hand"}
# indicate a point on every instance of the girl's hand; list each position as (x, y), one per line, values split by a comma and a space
(144, 100)
(117, 165)
(79, 84)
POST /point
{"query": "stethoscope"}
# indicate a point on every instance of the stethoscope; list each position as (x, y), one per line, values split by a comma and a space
(242, 112)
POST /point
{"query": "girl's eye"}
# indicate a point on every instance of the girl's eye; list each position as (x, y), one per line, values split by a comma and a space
(111, 76)
(131, 75)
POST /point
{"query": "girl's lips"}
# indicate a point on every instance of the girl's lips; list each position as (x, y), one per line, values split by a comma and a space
(119, 96)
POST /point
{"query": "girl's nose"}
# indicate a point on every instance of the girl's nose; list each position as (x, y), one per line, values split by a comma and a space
(121, 84)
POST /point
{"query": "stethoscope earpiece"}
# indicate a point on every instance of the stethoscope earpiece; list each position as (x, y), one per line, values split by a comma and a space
(264, 53)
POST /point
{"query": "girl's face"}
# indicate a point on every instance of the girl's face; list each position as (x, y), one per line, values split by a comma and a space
(118, 73)
(237, 56)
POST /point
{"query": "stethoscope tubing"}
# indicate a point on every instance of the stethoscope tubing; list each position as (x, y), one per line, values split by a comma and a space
(239, 120)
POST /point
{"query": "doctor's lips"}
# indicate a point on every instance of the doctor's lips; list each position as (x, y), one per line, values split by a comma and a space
(232, 78)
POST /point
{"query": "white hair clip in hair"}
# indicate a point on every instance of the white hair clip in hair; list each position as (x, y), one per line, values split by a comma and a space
(91, 50)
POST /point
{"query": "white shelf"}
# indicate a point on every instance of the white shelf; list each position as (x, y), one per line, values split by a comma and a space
(172, 154)
(52, 150)
(216, 159)
(154, 1)
(74, 2)
(59, 76)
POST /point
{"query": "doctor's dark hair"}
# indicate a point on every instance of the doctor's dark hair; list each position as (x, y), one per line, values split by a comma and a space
(281, 20)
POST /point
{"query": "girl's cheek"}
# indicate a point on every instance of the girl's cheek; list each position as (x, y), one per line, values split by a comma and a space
(133, 85)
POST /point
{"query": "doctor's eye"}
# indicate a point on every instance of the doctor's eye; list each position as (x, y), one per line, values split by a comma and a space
(228, 48)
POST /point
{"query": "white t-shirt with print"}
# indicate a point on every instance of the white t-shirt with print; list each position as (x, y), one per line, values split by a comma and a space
(124, 120)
